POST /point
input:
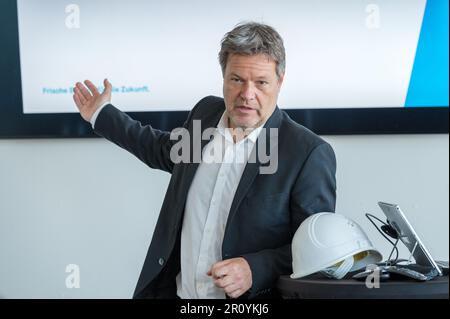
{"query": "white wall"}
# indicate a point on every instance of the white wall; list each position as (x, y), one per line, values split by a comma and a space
(89, 203)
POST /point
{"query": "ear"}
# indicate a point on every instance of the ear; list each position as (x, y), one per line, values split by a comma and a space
(280, 81)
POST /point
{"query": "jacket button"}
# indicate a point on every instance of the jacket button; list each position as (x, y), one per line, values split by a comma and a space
(161, 261)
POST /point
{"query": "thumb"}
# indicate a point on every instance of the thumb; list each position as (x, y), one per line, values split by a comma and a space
(108, 87)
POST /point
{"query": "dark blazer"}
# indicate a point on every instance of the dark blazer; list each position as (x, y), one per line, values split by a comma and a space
(266, 210)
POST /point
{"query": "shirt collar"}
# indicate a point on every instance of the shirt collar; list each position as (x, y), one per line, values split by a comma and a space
(222, 127)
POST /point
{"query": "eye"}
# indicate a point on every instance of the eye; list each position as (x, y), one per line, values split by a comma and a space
(263, 82)
(238, 80)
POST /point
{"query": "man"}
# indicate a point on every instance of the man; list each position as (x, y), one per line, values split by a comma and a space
(225, 229)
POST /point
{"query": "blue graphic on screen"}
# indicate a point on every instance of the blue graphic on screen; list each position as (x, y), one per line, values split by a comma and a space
(429, 79)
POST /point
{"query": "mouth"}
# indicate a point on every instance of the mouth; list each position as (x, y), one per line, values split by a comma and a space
(245, 109)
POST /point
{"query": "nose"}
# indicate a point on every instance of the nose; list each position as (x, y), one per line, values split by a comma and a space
(248, 92)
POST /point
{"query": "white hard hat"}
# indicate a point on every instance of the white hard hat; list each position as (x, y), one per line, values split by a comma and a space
(332, 244)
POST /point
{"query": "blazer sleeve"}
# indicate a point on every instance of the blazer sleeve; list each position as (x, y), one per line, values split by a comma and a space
(314, 191)
(150, 145)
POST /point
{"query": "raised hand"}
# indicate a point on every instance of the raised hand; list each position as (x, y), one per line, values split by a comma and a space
(88, 100)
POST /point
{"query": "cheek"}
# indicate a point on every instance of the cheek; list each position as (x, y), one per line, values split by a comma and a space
(266, 102)
(229, 92)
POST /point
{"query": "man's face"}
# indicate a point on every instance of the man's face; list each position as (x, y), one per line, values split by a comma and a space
(250, 89)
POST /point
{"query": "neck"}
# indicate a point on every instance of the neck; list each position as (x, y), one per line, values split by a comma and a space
(238, 132)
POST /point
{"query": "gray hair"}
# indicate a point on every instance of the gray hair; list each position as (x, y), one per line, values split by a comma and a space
(250, 39)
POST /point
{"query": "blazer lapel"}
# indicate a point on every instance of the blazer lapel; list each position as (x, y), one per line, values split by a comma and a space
(252, 169)
(188, 170)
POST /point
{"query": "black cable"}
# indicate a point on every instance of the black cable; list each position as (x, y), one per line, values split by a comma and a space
(369, 217)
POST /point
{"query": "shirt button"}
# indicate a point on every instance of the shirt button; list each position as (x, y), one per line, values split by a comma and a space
(161, 261)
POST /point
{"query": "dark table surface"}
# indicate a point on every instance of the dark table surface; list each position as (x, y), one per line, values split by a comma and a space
(320, 287)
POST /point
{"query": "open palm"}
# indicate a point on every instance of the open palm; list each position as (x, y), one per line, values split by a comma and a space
(88, 99)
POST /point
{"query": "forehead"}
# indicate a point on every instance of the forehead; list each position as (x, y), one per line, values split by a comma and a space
(259, 64)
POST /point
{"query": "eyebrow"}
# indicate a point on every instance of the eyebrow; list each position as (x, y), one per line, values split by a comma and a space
(262, 77)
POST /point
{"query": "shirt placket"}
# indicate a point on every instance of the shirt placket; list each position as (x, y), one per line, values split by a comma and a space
(206, 257)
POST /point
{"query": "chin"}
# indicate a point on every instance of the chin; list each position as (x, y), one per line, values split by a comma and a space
(245, 123)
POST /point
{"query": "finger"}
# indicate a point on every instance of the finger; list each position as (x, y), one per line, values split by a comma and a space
(223, 262)
(220, 271)
(224, 269)
(80, 96)
(212, 270)
(108, 87)
(223, 282)
(229, 290)
(91, 87)
(236, 294)
(84, 91)
(77, 101)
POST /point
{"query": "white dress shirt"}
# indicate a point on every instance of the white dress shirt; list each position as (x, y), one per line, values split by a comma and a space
(96, 113)
(207, 206)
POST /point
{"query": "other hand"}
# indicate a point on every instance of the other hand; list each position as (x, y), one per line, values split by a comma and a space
(233, 275)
